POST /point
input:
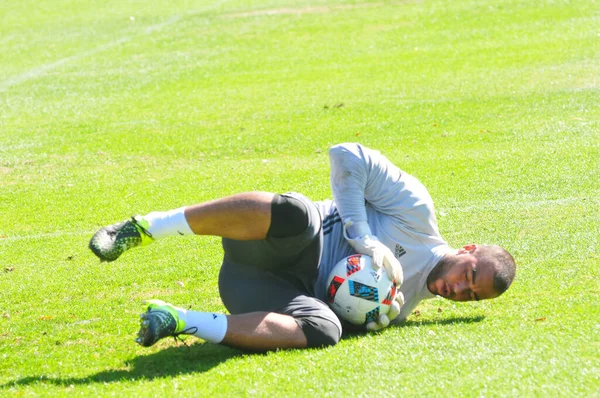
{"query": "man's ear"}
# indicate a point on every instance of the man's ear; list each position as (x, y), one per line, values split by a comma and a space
(470, 248)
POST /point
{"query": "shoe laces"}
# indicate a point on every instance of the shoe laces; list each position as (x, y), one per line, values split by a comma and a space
(190, 330)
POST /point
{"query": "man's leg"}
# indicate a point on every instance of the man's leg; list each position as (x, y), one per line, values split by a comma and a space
(245, 216)
(251, 291)
(263, 331)
(267, 313)
(256, 331)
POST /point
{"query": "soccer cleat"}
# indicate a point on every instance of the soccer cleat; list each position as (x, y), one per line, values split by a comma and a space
(110, 242)
(159, 321)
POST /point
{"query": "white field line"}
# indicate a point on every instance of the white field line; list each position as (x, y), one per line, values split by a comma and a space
(57, 234)
(303, 10)
(501, 206)
(41, 70)
(519, 205)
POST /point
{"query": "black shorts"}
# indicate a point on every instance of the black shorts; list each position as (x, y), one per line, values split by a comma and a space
(278, 275)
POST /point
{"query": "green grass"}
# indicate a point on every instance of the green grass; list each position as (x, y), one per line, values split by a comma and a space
(492, 104)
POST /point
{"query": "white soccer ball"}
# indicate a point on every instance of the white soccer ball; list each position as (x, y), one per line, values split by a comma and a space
(358, 293)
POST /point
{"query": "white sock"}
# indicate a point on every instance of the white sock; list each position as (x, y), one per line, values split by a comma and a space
(168, 223)
(206, 325)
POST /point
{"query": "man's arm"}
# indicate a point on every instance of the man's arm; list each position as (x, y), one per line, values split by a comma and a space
(359, 174)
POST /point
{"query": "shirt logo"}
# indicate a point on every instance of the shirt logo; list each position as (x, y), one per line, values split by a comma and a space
(399, 251)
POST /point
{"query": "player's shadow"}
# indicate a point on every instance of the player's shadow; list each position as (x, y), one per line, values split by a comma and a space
(352, 332)
(447, 321)
(169, 362)
(178, 360)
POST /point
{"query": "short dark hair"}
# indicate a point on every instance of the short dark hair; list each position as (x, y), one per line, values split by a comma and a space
(503, 263)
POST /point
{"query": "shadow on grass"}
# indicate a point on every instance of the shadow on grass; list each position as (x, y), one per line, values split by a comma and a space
(179, 360)
(449, 321)
(352, 332)
(169, 362)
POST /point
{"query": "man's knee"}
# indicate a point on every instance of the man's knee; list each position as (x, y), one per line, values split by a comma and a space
(289, 217)
(320, 331)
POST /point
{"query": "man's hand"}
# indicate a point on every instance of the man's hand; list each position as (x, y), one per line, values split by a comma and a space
(382, 256)
(384, 320)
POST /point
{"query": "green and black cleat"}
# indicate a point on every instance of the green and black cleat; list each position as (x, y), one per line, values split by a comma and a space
(110, 242)
(159, 321)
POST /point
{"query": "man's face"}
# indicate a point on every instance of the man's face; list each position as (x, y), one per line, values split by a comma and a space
(464, 279)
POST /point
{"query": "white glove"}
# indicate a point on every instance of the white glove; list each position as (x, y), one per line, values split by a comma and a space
(384, 320)
(382, 256)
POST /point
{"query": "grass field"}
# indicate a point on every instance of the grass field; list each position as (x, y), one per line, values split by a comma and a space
(113, 108)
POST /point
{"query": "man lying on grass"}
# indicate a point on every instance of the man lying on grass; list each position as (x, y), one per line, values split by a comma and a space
(279, 250)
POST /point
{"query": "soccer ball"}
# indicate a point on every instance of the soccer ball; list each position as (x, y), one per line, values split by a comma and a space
(358, 293)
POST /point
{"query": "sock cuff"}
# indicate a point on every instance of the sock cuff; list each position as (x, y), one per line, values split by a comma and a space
(168, 223)
(179, 220)
(208, 326)
(218, 329)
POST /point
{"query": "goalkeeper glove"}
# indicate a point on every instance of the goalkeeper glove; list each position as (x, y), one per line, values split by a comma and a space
(384, 320)
(381, 254)
(369, 245)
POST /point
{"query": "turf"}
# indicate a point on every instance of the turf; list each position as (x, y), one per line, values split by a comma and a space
(110, 108)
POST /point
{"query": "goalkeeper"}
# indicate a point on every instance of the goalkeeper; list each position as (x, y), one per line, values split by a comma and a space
(279, 250)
